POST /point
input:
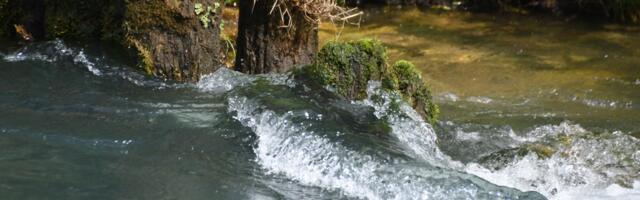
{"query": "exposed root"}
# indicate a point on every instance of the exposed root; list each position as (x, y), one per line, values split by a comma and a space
(315, 11)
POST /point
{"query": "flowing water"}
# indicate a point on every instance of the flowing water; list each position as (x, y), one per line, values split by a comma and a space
(521, 119)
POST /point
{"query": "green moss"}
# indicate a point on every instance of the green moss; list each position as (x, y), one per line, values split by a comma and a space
(142, 16)
(348, 66)
(405, 79)
(541, 150)
(144, 56)
(203, 13)
(502, 158)
(406, 73)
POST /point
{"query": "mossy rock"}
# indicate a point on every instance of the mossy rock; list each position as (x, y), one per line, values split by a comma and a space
(500, 159)
(349, 66)
(407, 80)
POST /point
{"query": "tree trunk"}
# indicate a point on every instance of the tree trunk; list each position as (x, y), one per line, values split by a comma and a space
(265, 46)
(174, 39)
(170, 39)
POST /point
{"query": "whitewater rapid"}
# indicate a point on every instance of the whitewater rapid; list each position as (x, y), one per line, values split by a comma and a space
(288, 148)
(289, 144)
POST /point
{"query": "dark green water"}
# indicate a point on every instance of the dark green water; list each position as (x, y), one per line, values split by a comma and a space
(77, 121)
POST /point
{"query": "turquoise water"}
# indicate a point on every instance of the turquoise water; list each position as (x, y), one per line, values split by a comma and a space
(78, 121)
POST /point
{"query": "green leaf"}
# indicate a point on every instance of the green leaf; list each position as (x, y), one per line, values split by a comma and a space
(199, 8)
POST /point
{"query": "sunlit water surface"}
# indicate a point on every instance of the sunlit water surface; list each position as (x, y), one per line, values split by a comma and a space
(530, 109)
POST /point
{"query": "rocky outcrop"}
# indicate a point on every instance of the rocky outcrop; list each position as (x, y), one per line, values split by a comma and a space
(348, 67)
(274, 39)
(177, 40)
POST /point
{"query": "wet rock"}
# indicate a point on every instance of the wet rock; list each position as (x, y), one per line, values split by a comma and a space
(500, 159)
(413, 89)
(349, 66)
(169, 38)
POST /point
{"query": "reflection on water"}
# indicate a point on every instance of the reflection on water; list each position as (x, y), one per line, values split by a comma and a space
(515, 70)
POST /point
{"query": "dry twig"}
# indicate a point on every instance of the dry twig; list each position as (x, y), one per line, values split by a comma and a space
(315, 11)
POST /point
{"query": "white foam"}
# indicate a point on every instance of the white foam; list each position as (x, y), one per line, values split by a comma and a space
(290, 149)
(413, 133)
(577, 167)
(53, 51)
(448, 96)
(481, 100)
(81, 58)
(540, 132)
(587, 168)
(224, 80)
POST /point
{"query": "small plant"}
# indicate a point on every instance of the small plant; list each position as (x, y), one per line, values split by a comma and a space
(229, 49)
(204, 13)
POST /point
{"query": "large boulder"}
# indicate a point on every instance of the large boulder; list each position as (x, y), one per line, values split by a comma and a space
(177, 40)
(349, 66)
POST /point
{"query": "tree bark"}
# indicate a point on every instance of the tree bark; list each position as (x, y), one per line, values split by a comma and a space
(170, 40)
(265, 46)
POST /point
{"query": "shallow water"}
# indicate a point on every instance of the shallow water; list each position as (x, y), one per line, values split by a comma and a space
(77, 121)
(504, 81)
(515, 70)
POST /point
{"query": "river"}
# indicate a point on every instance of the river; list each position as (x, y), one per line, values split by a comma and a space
(531, 108)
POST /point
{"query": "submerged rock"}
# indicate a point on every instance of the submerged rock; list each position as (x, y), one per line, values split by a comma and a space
(176, 40)
(349, 66)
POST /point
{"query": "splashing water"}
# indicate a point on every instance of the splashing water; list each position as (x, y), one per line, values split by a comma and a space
(583, 165)
(212, 134)
(58, 53)
(285, 146)
(55, 50)
(408, 127)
